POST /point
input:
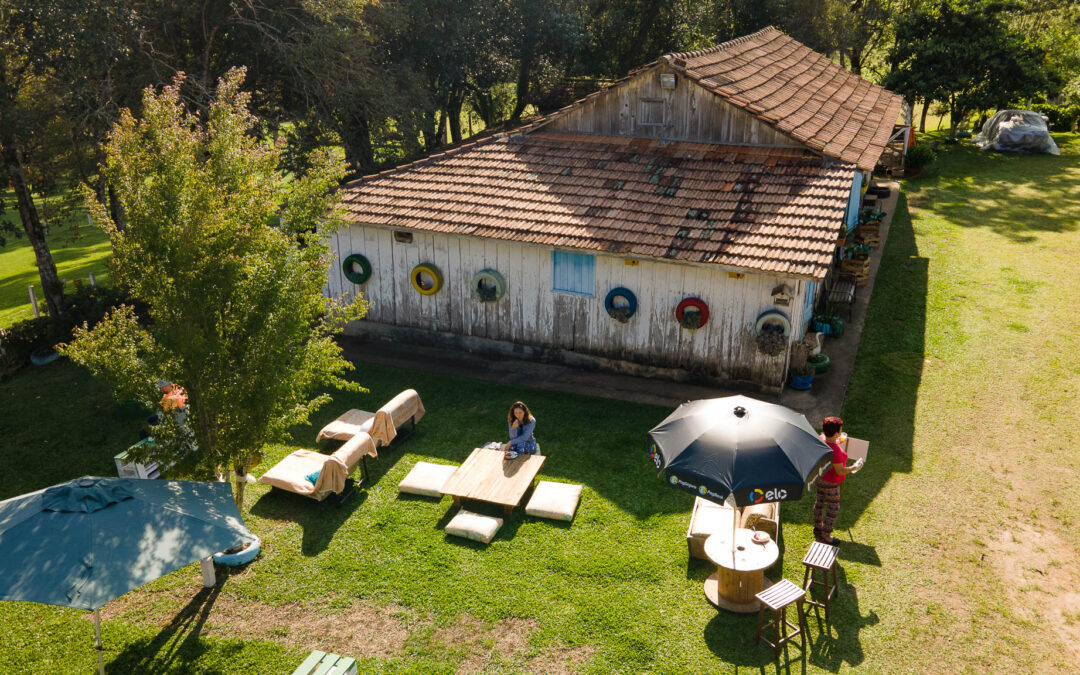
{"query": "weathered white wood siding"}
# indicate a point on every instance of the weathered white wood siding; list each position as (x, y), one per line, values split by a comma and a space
(531, 313)
(690, 113)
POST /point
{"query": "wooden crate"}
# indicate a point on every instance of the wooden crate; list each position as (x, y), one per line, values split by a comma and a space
(126, 469)
(860, 269)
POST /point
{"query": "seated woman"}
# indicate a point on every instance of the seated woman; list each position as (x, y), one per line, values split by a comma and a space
(521, 424)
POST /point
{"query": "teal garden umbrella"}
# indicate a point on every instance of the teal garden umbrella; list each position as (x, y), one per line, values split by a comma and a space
(82, 543)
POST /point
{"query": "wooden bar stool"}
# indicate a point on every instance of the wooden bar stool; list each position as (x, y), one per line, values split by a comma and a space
(777, 598)
(821, 558)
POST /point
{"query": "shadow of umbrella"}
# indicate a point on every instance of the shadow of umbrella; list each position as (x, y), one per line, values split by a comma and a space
(82, 543)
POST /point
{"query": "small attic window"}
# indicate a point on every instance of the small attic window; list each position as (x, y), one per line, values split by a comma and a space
(402, 237)
(651, 113)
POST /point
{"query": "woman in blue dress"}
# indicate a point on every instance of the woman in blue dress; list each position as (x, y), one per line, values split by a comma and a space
(521, 424)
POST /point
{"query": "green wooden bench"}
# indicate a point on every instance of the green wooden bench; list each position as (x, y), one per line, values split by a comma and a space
(321, 663)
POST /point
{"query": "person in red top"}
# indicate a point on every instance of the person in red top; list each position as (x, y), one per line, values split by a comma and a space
(827, 506)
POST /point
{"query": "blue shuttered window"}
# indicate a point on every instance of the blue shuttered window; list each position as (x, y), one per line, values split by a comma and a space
(808, 306)
(852, 215)
(573, 273)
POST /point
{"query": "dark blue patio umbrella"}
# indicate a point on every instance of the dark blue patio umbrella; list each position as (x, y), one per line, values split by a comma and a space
(740, 447)
(82, 543)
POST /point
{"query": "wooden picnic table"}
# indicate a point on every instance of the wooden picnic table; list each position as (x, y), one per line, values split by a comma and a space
(487, 476)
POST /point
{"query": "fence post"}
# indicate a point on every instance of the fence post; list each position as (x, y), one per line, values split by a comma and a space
(33, 303)
(93, 281)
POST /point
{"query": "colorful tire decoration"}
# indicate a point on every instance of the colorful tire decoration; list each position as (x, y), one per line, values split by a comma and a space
(772, 321)
(488, 285)
(426, 279)
(622, 313)
(357, 268)
(686, 310)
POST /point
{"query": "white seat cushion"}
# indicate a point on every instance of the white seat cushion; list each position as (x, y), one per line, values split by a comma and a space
(475, 526)
(557, 501)
(427, 479)
(710, 518)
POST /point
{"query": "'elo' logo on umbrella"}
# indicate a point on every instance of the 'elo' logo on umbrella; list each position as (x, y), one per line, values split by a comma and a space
(757, 496)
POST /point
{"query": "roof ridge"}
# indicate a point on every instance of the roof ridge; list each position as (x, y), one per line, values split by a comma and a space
(437, 154)
(720, 47)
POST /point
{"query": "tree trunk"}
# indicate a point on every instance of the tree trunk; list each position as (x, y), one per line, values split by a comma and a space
(631, 56)
(116, 210)
(453, 116)
(357, 141)
(855, 59)
(50, 280)
(484, 103)
(430, 128)
(953, 113)
(239, 483)
(922, 118)
(524, 73)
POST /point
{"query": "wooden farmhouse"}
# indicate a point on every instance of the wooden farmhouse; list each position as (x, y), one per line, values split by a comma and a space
(657, 227)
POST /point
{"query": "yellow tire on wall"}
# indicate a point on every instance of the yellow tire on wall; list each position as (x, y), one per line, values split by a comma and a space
(430, 285)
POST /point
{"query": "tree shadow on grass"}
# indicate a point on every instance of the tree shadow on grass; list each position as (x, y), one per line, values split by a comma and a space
(320, 521)
(1016, 196)
(178, 644)
(883, 392)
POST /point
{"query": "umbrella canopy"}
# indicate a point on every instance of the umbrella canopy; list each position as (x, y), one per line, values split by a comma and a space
(82, 543)
(755, 451)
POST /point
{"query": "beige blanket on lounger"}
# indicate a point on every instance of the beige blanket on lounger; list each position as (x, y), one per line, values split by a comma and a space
(291, 473)
(382, 424)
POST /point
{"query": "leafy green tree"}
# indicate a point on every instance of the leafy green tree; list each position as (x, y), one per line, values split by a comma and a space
(236, 311)
(964, 54)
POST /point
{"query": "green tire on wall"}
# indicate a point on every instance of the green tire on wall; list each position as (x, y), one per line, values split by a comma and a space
(357, 268)
(433, 272)
(495, 280)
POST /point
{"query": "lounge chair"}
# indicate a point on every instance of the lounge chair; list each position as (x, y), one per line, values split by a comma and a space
(381, 425)
(318, 476)
(708, 518)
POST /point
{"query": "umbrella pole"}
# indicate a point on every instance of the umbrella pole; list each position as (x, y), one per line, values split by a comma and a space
(97, 642)
(734, 527)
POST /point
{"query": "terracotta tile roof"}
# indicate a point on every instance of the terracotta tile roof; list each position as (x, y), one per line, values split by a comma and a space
(799, 92)
(770, 209)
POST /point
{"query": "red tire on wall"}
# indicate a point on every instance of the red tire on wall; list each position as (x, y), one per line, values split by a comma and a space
(695, 303)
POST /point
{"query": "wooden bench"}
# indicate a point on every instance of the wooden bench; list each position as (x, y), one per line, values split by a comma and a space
(321, 663)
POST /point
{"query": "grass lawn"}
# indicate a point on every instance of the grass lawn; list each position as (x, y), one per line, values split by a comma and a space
(961, 529)
(75, 258)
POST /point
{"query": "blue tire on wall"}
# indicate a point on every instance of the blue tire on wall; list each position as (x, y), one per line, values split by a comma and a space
(631, 306)
(241, 557)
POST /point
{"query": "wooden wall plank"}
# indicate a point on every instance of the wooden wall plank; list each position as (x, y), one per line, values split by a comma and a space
(530, 313)
(457, 297)
(692, 113)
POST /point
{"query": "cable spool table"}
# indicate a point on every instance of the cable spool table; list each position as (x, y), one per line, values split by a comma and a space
(739, 576)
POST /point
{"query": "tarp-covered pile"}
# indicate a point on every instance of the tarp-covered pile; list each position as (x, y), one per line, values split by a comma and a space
(1016, 131)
